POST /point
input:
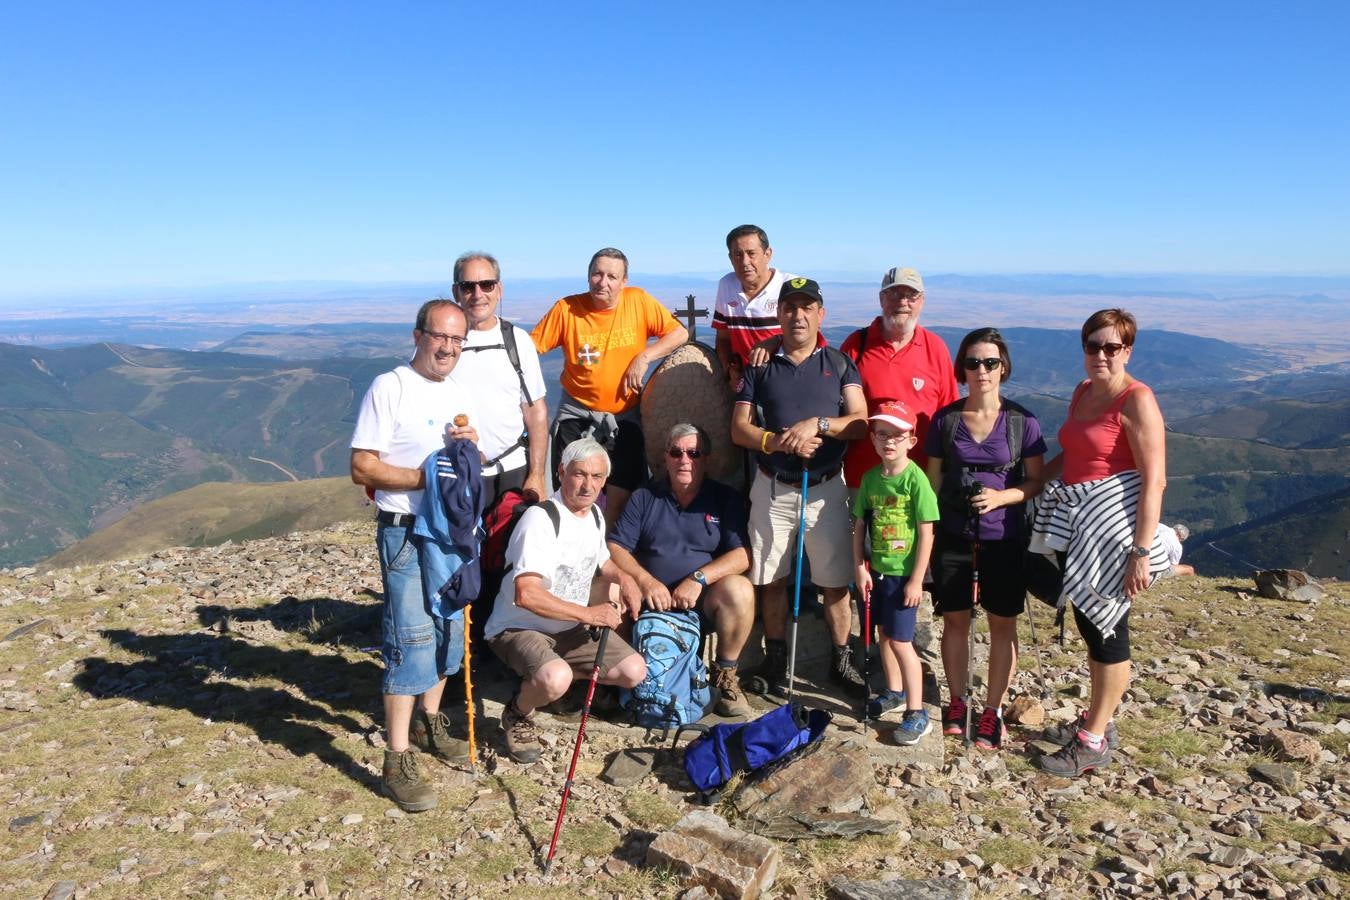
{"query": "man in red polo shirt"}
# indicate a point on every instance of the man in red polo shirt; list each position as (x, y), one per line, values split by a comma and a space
(898, 360)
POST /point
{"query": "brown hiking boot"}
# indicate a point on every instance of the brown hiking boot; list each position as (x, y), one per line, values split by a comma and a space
(730, 698)
(430, 733)
(403, 784)
(522, 739)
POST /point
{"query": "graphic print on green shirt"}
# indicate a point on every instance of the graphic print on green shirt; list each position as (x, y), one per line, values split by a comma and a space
(898, 504)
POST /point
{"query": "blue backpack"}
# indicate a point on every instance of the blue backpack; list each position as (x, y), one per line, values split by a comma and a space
(712, 758)
(676, 690)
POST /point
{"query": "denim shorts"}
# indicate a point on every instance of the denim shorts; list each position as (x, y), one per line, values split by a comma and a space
(419, 648)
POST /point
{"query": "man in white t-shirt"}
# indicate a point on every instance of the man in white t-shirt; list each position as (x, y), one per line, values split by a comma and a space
(513, 413)
(406, 415)
(545, 622)
(746, 311)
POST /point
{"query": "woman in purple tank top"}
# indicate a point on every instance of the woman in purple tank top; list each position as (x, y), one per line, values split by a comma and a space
(982, 482)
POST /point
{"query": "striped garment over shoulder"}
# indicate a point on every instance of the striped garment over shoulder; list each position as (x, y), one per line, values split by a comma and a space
(1092, 522)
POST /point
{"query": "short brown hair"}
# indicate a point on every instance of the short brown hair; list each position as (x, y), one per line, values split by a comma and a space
(1118, 319)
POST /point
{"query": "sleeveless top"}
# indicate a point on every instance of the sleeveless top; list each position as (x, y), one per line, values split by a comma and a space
(1096, 448)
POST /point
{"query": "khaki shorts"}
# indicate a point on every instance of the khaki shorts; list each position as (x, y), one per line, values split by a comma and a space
(526, 652)
(773, 531)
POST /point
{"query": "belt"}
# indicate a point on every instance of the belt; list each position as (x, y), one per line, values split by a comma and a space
(796, 478)
(385, 517)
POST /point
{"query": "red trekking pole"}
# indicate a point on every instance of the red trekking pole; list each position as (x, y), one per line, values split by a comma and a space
(867, 646)
(576, 751)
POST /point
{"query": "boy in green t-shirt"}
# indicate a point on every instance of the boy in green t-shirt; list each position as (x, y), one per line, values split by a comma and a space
(894, 512)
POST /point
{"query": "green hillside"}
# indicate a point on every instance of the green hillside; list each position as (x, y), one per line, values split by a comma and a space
(88, 433)
(1313, 535)
(1284, 423)
(213, 513)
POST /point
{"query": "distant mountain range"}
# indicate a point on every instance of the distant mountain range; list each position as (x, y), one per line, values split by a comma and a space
(89, 433)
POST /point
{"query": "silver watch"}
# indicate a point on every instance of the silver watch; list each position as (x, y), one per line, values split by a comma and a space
(823, 425)
(1140, 552)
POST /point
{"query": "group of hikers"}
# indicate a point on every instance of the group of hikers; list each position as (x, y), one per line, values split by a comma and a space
(866, 461)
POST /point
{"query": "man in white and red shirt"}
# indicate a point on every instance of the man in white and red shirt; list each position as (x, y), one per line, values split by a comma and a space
(746, 311)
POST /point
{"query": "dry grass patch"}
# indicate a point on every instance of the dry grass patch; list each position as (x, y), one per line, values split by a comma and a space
(1014, 853)
(650, 811)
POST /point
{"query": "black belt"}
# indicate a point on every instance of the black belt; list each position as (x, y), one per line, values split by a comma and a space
(385, 517)
(796, 477)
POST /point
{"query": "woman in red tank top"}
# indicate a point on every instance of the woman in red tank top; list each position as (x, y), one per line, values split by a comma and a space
(1114, 426)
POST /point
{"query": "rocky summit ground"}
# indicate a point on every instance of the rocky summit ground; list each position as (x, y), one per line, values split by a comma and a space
(206, 723)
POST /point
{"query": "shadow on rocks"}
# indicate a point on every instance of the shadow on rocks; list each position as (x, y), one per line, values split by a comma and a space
(189, 672)
(322, 620)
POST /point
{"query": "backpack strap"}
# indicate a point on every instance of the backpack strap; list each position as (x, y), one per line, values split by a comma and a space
(555, 516)
(513, 354)
(861, 335)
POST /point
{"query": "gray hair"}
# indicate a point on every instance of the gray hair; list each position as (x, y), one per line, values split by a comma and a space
(1182, 531)
(683, 430)
(466, 258)
(583, 448)
(608, 253)
(427, 307)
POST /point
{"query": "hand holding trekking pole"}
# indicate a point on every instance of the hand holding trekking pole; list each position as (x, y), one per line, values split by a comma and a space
(576, 750)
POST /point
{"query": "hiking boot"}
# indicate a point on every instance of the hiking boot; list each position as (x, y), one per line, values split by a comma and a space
(403, 784)
(730, 698)
(1066, 732)
(990, 732)
(1075, 758)
(522, 738)
(884, 702)
(912, 728)
(844, 673)
(430, 733)
(954, 717)
(770, 679)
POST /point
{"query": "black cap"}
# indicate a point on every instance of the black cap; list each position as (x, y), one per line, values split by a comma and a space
(804, 286)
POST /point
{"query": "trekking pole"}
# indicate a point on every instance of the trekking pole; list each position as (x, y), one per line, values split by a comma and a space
(1036, 647)
(867, 646)
(797, 587)
(468, 687)
(970, 634)
(576, 750)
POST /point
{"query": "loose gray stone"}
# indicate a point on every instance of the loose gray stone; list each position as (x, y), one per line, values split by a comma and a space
(901, 889)
(706, 851)
(20, 632)
(1230, 857)
(62, 890)
(1278, 774)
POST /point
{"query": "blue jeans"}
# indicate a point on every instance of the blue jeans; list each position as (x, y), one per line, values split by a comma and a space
(419, 648)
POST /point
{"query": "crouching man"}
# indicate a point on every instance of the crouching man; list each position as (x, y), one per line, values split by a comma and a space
(543, 624)
(683, 540)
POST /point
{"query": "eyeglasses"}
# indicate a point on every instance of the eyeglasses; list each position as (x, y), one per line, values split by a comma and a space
(1110, 348)
(971, 363)
(440, 337)
(486, 285)
(676, 453)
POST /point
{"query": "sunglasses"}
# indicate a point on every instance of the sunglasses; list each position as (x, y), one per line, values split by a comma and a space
(1110, 348)
(486, 285)
(676, 453)
(971, 363)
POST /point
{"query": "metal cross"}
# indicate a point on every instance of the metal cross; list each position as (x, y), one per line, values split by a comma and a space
(692, 314)
(588, 355)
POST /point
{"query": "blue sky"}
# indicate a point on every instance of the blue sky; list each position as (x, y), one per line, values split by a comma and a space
(190, 144)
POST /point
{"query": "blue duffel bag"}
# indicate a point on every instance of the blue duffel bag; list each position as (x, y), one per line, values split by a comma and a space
(712, 758)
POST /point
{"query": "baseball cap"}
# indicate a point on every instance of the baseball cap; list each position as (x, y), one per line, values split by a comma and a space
(894, 412)
(804, 286)
(902, 277)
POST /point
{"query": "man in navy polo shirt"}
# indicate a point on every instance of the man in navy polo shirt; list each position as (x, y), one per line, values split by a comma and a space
(807, 400)
(682, 539)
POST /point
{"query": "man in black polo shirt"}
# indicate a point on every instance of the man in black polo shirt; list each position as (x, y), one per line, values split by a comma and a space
(807, 400)
(682, 539)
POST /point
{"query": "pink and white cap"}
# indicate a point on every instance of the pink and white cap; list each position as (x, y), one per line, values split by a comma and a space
(894, 412)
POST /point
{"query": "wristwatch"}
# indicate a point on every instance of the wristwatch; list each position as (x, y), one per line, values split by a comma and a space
(823, 425)
(700, 577)
(1139, 551)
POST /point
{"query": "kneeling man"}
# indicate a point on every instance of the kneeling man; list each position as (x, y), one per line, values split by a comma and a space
(541, 625)
(682, 539)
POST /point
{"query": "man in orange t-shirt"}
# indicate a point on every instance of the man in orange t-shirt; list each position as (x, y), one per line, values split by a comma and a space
(604, 335)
